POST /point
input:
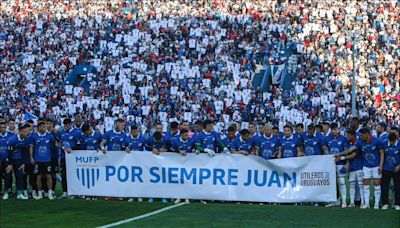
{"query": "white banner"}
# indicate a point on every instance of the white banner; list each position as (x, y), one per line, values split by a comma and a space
(222, 177)
(277, 72)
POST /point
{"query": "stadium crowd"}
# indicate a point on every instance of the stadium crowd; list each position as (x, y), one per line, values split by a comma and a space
(184, 62)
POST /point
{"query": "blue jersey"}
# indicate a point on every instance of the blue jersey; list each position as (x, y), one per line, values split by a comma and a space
(114, 140)
(289, 146)
(384, 138)
(208, 140)
(268, 146)
(240, 144)
(337, 145)
(4, 145)
(152, 144)
(256, 139)
(42, 146)
(392, 156)
(357, 162)
(69, 139)
(313, 143)
(369, 151)
(18, 148)
(55, 152)
(178, 144)
(169, 137)
(298, 136)
(91, 142)
(135, 144)
(229, 143)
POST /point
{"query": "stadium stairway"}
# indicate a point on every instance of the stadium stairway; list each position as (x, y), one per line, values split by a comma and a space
(259, 77)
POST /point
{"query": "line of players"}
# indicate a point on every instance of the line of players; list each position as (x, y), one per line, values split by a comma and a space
(35, 154)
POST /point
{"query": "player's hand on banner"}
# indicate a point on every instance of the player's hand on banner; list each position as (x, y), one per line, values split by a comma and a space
(209, 152)
(226, 151)
(337, 158)
(156, 152)
(102, 150)
(300, 154)
(183, 152)
(278, 154)
(67, 150)
(127, 150)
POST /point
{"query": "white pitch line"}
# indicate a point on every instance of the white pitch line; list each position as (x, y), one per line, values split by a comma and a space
(142, 216)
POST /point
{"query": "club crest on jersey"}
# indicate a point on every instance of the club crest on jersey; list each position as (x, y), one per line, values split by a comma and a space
(370, 158)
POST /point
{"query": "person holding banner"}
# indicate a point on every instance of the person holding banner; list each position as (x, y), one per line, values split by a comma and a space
(313, 142)
(158, 144)
(208, 140)
(182, 145)
(70, 139)
(229, 139)
(269, 145)
(290, 145)
(114, 139)
(135, 141)
(244, 144)
(91, 139)
(173, 133)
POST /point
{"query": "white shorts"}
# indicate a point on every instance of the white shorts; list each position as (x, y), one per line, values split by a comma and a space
(338, 173)
(356, 176)
(371, 173)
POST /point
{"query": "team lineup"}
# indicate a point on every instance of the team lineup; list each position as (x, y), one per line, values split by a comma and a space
(35, 154)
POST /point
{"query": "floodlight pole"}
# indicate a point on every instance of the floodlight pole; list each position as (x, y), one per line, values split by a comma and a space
(353, 82)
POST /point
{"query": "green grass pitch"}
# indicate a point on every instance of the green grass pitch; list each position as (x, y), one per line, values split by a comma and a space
(83, 213)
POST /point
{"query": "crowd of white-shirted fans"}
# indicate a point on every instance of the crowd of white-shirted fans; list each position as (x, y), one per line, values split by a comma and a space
(178, 76)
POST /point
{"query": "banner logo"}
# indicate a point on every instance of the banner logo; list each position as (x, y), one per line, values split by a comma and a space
(88, 177)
